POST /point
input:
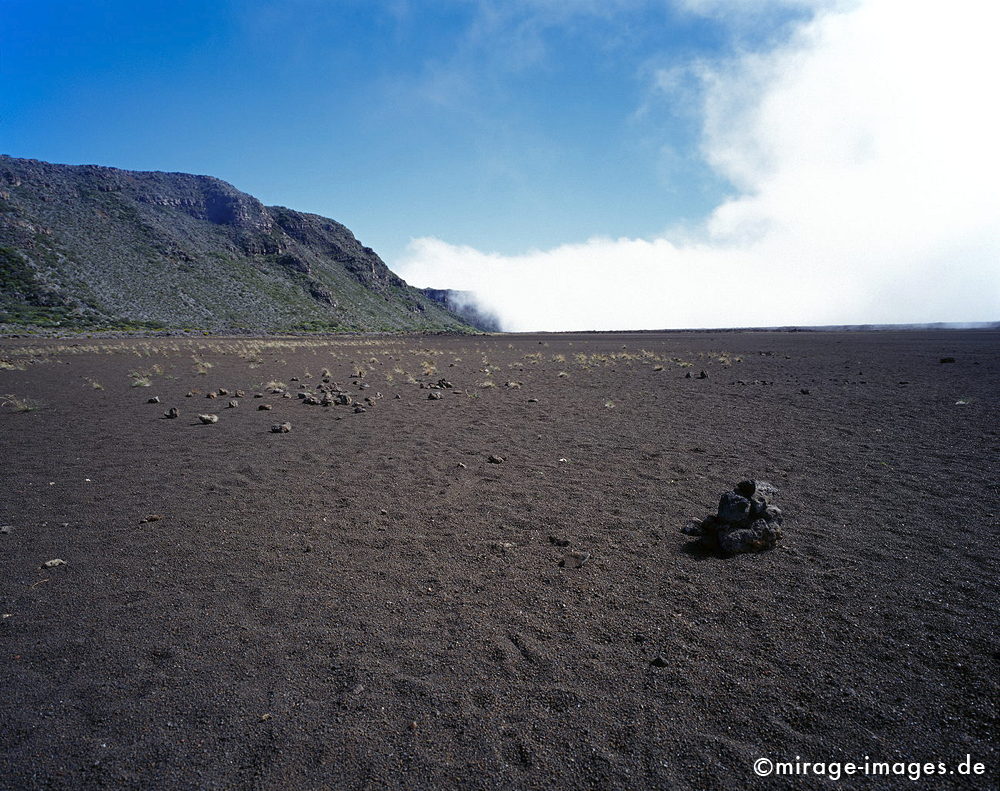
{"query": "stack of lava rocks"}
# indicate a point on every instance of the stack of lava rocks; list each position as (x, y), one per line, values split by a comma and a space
(745, 522)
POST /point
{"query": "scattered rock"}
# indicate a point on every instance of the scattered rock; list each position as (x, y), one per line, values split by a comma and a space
(312, 400)
(658, 661)
(804, 391)
(172, 413)
(151, 518)
(232, 404)
(703, 375)
(559, 542)
(444, 383)
(153, 400)
(51, 564)
(743, 522)
(434, 395)
(532, 400)
(264, 407)
(6, 529)
(240, 394)
(358, 409)
(222, 391)
(286, 395)
(575, 559)
(343, 399)
(281, 428)
(213, 394)
(495, 459)
(258, 395)
(947, 360)
(207, 419)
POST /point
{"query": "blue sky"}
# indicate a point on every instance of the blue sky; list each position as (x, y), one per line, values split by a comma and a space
(575, 164)
(504, 125)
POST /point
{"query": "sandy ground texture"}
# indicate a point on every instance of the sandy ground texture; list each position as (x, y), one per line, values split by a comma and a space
(368, 602)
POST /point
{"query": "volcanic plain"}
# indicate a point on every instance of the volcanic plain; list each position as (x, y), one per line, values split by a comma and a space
(467, 571)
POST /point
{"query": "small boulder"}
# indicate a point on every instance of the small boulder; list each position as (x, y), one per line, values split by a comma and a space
(494, 459)
(153, 400)
(232, 404)
(264, 407)
(281, 428)
(434, 395)
(172, 413)
(208, 419)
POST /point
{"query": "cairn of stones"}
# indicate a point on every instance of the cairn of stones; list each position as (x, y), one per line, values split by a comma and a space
(744, 521)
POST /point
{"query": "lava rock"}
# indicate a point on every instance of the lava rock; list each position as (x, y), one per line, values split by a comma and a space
(434, 395)
(172, 412)
(281, 428)
(264, 407)
(733, 508)
(208, 419)
(761, 534)
(153, 400)
(743, 522)
(232, 404)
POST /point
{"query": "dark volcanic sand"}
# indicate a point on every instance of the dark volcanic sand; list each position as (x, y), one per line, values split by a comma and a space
(346, 606)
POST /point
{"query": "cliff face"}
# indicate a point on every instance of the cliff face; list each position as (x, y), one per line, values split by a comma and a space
(94, 246)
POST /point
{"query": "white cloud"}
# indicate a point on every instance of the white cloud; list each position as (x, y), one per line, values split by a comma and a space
(864, 152)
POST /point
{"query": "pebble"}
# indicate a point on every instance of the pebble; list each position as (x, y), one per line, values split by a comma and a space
(281, 428)
(575, 559)
(264, 407)
(208, 419)
(50, 564)
(495, 459)
(233, 404)
(153, 400)
(172, 412)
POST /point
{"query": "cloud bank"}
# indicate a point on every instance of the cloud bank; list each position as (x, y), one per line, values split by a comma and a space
(863, 157)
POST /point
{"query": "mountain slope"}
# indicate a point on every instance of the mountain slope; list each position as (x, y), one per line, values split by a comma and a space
(94, 246)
